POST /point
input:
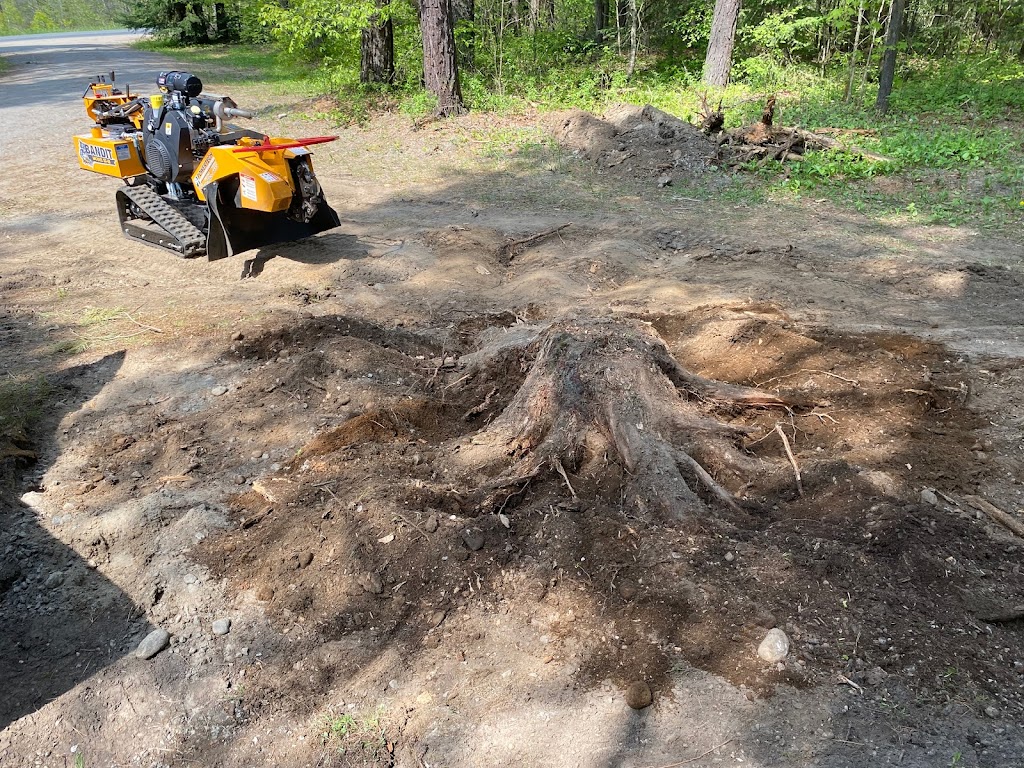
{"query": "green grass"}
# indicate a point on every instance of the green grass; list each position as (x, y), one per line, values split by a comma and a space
(22, 404)
(355, 734)
(954, 138)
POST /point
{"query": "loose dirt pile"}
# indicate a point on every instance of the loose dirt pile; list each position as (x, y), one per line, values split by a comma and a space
(389, 530)
(638, 143)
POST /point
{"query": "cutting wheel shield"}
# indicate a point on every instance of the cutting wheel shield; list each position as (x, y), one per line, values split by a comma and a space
(235, 230)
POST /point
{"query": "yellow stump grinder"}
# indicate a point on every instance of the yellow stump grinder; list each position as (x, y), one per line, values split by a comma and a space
(194, 183)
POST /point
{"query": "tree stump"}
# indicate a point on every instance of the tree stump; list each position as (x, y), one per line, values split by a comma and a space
(603, 391)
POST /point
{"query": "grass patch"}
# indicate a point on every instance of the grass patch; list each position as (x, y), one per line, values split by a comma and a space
(97, 327)
(356, 737)
(22, 404)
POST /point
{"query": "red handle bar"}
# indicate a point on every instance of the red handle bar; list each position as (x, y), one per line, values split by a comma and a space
(287, 145)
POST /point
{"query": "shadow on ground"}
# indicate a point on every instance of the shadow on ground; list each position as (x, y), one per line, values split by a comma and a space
(62, 619)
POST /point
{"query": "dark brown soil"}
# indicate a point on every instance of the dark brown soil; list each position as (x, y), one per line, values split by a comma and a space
(354, 535)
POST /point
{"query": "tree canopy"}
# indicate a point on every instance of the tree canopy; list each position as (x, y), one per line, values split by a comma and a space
(505, 44)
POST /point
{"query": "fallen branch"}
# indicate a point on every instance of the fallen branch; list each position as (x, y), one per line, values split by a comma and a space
(1006, 520)
(561, 470)
(513, 248)
(141, 325)
(1002, 615)
(792, 459)
(709, 482)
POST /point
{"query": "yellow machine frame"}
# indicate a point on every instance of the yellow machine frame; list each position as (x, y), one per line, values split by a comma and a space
(100, 152)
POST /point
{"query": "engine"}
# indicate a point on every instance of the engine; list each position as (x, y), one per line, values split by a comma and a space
(179, 128)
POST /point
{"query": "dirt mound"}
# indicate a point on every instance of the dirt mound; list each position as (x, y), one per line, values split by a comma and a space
(638, 142)
(390, 528)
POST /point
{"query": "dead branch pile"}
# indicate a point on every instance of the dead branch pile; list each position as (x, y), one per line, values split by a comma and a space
(763, 141)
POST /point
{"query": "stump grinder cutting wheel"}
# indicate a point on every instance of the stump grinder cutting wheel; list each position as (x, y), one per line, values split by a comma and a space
(194, 184)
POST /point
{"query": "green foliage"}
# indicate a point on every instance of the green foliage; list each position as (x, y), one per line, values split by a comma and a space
(39, 16)
(983, 86)
(789, 34)
(355, 734)
(317, 29)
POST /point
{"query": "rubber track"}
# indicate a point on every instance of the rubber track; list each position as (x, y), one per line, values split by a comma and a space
(189, 237)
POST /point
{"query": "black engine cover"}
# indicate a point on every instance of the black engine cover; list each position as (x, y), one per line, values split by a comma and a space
(168, 148)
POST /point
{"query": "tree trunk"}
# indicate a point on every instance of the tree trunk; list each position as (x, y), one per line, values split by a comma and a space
(853, 55)
(634, 36)
(440, 65)
(377, 48)
(533, 20)
(888, 73)
(600, 19)
(718, 61)
(603, 392)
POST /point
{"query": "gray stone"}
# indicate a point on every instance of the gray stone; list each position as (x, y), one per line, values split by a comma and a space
(664, 181)
(928, 497)
(991, 711)
(153, 643)
(219, 390)
(473, 539)
(431, 524)
(54, 580)
(774, 647)
(221, 626)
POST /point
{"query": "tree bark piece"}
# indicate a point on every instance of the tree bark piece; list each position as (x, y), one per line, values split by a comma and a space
(1008, 521)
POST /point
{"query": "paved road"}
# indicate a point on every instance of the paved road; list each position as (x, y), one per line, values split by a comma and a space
(52, 71)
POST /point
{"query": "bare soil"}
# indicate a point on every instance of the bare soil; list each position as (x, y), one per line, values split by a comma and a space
(437, 540)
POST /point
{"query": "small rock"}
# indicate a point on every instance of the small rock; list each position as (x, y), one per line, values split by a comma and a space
(221, 626)
(54, 580)
(991, 711)
(372, 582)
(875, 676)
(638, 695)
(774, 647)
(627, 589)
(431, 524)
(729, 557)
(436, 617)
(238, 479)
(219, 390)
(928, 497)
(153, 643)
(264, 593)
(473, 538)
(664, 181)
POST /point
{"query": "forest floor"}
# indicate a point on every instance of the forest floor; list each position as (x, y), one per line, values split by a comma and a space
(297, 443)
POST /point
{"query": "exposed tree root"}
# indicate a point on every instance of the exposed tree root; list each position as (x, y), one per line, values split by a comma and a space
(602, 391)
